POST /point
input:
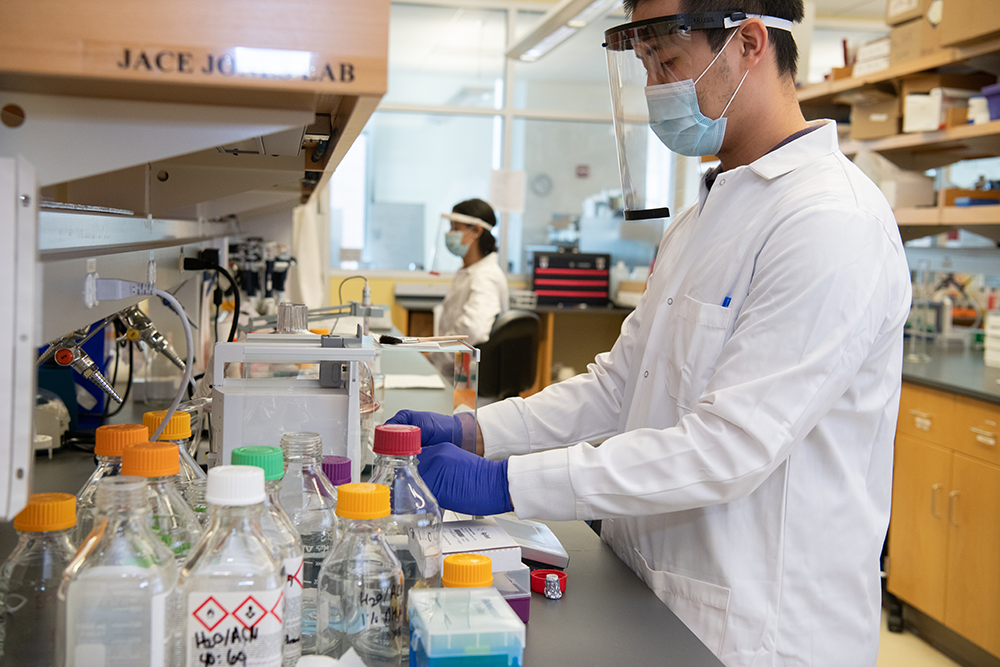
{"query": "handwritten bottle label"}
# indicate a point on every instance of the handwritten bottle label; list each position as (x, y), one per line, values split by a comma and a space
(244, 629)
(293, 600)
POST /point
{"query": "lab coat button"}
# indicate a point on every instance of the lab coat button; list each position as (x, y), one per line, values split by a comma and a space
(670, 301)
(646, 374)
(722, 182)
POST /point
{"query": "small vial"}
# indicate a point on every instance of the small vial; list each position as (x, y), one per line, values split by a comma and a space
(196, 500)
(233, 584)
(120, 590)
(311, 502)
(361, 583)
(552, 589)
(110, 441)
(413, 529)
(178, 431)
(30, 577)
(173, 521)
(281, 531)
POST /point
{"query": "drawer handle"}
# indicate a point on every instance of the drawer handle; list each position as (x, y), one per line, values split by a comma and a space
(918, 413)
(934, 491)
(984, 437)
(922, 423)
(951, 507)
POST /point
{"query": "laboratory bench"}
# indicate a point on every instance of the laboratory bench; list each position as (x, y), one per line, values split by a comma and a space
(944, 532)
(607, 616)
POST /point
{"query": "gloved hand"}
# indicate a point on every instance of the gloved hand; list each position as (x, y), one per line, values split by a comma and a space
(463, 482)
(434, 428)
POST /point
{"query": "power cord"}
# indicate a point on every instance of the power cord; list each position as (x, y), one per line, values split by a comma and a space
(112, 290)
(199, 264)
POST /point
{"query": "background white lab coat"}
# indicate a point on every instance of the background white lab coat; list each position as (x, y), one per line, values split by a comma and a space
(477, 295)
(748, 466)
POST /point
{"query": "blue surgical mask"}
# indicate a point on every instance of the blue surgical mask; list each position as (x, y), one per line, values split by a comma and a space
(677, 120)
(453, 241)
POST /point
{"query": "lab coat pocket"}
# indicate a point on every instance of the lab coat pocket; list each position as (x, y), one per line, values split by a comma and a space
(701, 606)
(698, 332)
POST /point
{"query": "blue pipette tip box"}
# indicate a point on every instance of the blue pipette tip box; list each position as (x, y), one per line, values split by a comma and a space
(463, 627)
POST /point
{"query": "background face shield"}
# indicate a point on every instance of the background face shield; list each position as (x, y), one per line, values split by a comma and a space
(646, 53)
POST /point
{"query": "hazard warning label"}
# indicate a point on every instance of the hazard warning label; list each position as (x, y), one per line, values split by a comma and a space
(235, 628)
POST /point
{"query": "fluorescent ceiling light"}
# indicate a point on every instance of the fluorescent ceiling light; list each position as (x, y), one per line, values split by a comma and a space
(557, 25)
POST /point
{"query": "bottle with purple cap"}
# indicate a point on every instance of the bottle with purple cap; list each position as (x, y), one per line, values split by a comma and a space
(337, 469)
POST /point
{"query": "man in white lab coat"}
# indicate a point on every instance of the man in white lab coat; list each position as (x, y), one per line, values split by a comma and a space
(748, 407)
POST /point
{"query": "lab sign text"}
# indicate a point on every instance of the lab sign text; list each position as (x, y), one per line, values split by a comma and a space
(227, 64)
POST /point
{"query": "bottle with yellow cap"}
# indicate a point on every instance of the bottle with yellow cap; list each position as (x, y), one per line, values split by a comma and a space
(30, 577)
(173, 521)
(119, 593)
(177, 431)
(467, 571)
(361, 582)
(109, 443)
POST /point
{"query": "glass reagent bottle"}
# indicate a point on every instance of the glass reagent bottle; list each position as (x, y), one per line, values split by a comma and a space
(110, 441)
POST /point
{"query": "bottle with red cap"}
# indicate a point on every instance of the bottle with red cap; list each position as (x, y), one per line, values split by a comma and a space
(413, 528)
(109, 443)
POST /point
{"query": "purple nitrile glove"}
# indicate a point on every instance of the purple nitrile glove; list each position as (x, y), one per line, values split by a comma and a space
(436, 428)
(463, 482)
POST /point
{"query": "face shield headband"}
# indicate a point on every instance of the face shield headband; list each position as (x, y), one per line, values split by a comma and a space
(643, 56)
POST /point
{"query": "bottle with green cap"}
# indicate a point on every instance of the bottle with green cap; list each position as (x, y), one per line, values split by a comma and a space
(361, 582)
(281, 531)
(30, 577)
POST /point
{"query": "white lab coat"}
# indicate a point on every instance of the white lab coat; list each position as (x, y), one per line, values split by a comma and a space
(477, 295)
(748, 463)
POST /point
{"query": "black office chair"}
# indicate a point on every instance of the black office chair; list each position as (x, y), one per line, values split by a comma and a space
(509, 359)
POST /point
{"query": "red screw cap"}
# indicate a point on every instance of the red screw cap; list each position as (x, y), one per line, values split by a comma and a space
(64, 357)
(397, 440)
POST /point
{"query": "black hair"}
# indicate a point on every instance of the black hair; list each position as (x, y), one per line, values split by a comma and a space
(477, 208)
(786, 53)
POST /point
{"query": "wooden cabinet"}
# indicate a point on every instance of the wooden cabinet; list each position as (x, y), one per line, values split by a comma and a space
(944, 537)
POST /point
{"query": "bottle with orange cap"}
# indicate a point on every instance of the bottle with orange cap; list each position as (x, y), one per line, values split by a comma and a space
(413, 528)
(30, 577)
(110, 441)
(173, 521)
(361, 582)
(177, 431)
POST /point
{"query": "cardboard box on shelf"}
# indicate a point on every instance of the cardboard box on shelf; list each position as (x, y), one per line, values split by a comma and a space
(965, 21)
(898, 11)
(838, 73)
(874, 121)
(950, 195)
(925, 83)
(872, 56)
(926, 112)
(914, 39)
(908, 189)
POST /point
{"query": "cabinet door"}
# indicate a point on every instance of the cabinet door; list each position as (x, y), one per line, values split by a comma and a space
(918, 530)
(973, 608)
(926, 414)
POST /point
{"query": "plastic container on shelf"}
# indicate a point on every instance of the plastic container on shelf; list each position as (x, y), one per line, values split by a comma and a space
(170, 517)
(119, 593)
(281, 531)
(476, 571)
(361, 583)
(233, 584)
(992, 95)
(109, 443)
(195, 498)
(178, 431)
(337, 469)
(311, 502)
(515, 587)
(30, 577)
(413, 529)
(463, 626)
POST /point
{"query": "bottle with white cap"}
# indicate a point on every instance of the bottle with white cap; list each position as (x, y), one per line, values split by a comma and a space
(281, 531)
(234, 580)
(120, 590)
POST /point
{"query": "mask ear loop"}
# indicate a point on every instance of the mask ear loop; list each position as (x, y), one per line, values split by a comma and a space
(723, 115)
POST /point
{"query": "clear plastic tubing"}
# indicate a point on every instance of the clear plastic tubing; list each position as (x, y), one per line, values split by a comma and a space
(361, 583)
(29, 580)
(173, 521)
(234, 582)
(110, 442)
(414, 527)
(281, 531)
(120, 590)
(311, 502)
(178, 431)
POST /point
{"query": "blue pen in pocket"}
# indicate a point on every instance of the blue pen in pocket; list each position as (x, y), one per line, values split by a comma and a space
(726, 301)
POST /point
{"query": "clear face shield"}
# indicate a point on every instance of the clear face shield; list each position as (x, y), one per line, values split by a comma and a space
(650, 53)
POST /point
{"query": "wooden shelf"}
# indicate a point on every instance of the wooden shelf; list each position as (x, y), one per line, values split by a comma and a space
(824, 93)
(926, 150)
(915, 223)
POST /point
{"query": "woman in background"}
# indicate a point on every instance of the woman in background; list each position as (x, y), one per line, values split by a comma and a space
(479, 290)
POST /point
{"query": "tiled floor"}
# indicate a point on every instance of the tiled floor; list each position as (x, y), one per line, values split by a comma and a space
(907, 650)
